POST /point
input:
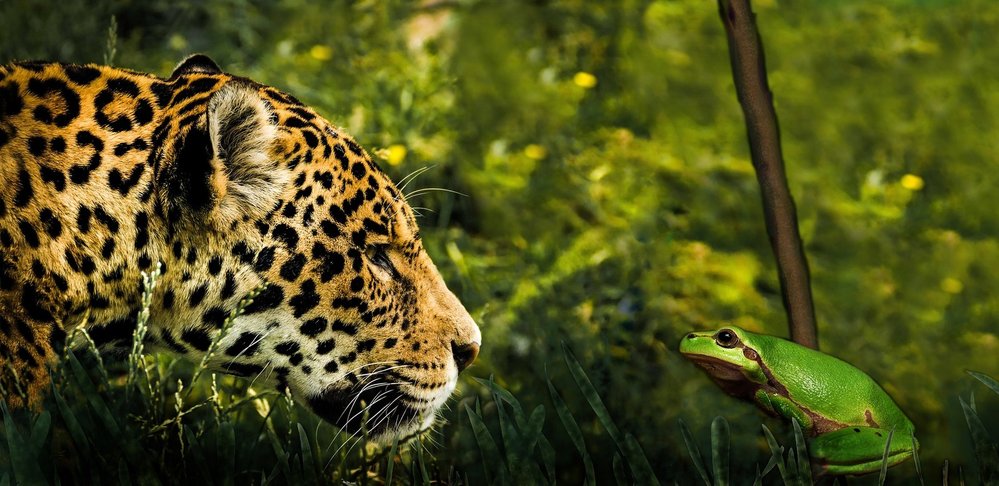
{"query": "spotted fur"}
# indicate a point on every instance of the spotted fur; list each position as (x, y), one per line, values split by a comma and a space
(227, 184)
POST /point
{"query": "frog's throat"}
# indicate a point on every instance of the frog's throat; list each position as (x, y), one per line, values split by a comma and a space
(728, 376)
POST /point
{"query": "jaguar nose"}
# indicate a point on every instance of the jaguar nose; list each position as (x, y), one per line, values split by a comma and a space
(464, 354)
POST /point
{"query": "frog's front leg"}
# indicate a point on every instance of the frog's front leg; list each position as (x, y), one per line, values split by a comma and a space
(858, 450)
(781, 406)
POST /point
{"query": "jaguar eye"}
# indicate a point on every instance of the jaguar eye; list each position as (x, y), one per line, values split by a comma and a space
(378, 254)
(726, 338)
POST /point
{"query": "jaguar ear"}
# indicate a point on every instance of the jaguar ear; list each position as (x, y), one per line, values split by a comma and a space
(196, 63)
(228, 167)
(243, 136)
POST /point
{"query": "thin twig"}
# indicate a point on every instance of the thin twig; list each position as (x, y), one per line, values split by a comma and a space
(750, 75)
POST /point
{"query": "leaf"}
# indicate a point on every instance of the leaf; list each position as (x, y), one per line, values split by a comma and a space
(421, 462)
(511, 442)
(720, 450)
(502, 394)
(83, 445)
(391, 461)
(637, 461)
(987, 380)
(777, 454)
(792, 468)
(124, 478)
(804, 463)
(226, 446)
(309, 463)
(22, 463)
(93, 396)
(548, 456)
(199, 459)
(694, 452)
(575, 434)
(915, 458)
(591, 395)
(985, 451)
(532, 432)
(487, 447)
(40, 432)
(884, 458)
(620, 473)
(280, 453)
(642, 470)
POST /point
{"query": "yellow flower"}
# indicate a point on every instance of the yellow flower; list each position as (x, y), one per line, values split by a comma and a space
(535, 151)
(584, 79)
(396, 154)
(912, 182)
(178, 42)
(951, 285)
(321, 52)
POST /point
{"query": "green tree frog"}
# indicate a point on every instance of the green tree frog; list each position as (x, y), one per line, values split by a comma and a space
(845, 413)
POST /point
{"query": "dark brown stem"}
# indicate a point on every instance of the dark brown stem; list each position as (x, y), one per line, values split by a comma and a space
(750, 75)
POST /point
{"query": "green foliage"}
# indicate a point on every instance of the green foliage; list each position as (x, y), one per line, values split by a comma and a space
(156, 420)
(986, 448)
(611, 207)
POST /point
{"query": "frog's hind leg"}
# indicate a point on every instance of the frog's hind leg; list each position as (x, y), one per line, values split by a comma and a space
(859, 450)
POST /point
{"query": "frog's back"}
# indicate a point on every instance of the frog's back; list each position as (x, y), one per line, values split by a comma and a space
(821, 382)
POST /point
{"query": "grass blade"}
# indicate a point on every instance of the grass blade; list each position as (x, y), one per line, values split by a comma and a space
(199, 460)
(532, 433)
(801, 449)
(93, 396)
(695, 453)
(391, 461)
(83, 445)
(309, 463)
(986, 380)
(487, 447)
(124, 478)
(575, 434)
(777, 454)
(40, 432)
(620, 473)
(280, 453)
(226, 444)
(500, 394)
(22, 464)
(421, 461)
(792, 469)
(884, 458)
(637, 461)
(548, 456)
(720, 450)
(915, 459)
(985, 450)
(592, 397)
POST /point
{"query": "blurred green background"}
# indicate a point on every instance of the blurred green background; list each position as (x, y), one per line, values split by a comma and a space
(611, 204)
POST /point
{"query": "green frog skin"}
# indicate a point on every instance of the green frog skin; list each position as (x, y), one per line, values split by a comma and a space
(845, 413)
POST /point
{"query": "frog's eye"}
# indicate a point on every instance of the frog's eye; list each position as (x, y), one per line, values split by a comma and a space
(726, 338)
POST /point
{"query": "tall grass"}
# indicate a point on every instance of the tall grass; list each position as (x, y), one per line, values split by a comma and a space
(156, 419)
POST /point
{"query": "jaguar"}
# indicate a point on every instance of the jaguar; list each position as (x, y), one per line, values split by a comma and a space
(230, 188)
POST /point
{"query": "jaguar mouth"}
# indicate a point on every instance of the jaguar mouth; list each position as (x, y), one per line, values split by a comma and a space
(378, 409)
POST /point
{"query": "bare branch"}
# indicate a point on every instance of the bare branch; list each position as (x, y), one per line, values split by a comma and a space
(750, 75)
